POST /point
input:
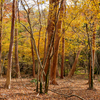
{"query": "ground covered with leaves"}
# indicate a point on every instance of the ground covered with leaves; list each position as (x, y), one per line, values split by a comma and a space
(68, 89)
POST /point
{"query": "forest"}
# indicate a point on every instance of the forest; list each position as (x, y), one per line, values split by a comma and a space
(49, 49)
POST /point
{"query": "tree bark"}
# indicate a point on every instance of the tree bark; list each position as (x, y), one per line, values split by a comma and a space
(63, 46)
(57, 71)
(33, 59)
(45, 48)
(39, 48)
(90, 60)
(16, 44)
(55, 60)
(8, 78)
(71, 73)
(1, 20)
(63, 56)
(50, 29)
(56, 46)
(93, 50)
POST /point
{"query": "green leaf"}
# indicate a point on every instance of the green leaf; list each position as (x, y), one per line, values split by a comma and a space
(67, 60)
(34, 81)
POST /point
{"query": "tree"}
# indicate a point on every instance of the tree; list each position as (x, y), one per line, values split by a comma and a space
(33, 58)
(50, 28)
(71, 73)
(89, 60)
(53, 27)
(56, 44)
(8, 78)
(30, 30)
(40, 27)
(63, 55)
(93, 48)
(1, 20)
(63, 44)
(16, 44)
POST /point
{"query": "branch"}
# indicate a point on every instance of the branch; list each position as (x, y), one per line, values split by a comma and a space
(66, 96)
(24, 6)
(31, 33)
(25, 27)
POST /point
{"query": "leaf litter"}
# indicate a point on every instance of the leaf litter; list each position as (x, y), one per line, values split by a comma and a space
(68, 89)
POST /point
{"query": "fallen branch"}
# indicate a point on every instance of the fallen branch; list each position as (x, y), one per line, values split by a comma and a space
(67, 96)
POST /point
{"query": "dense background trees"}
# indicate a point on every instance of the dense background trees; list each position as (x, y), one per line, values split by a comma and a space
(59, 38)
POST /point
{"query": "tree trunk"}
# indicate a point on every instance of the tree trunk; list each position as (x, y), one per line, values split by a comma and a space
(63, 54)
(62, 62)
(16, 45)
(57, 71)
(8, 79)
(71, 73)
(45, 48)
(33, 59)
(55, 60)
(63, 44)
(56, 46)
(90, 60)
(34, 43)
(93, 50)
(39, 48)
(50, 30)
(1, 20)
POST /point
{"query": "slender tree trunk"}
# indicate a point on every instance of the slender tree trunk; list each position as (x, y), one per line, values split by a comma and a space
(1, 20)
(90, 60)
(63, 48)
(8, 79)
(45, 43)
(45, 48)
(47, 79)
(93, 50)
(16, 44)
(63, 44)
(39, 48)
(71, 73)
(33, 59)
(16, 54)
(63, 56)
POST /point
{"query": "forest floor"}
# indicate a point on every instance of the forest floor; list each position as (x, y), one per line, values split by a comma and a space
(68, 89)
